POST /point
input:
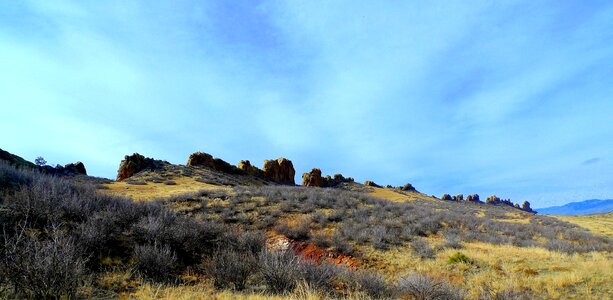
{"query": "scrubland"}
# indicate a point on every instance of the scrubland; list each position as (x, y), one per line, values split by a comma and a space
(63, 239)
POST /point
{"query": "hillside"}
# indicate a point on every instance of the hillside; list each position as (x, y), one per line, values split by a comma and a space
(579, 208)
(209, 229)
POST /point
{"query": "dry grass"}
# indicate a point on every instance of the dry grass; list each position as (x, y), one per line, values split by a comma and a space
(152, 190)
(598, 223)
(396, 196)
(550, 275)
(207, 291)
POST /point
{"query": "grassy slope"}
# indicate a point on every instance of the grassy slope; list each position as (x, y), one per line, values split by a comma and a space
(599, 223)
(152, 190)
(499, 267)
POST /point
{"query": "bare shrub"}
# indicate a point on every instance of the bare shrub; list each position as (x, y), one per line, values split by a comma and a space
(230, 269)
(280, 270)
(341, 245)
(297, 229)
(320, 276)
(422, 249)
(321, 240)
(452, 241)
(38, 269)
(155, 261)
(422, 287)
(372, 284)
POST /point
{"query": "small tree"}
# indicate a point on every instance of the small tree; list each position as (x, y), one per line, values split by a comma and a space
(446, 197)
(40, 161)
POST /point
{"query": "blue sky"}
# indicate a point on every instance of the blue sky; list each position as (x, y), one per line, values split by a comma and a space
(513, 98)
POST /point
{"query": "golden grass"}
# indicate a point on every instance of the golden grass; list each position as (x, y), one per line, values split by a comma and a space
(515, 218)
(598, 223)
(395, 196)
(551, 275)
(152, 191)
(206, 291)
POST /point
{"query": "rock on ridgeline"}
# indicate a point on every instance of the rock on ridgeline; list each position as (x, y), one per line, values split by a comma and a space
(132, 164)
(371, 184)
(313, 178)
(280, 170)
(201, 159)
(76, 168)
(246, 167)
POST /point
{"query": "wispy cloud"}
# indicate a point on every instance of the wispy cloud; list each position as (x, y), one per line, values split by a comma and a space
(456, 98)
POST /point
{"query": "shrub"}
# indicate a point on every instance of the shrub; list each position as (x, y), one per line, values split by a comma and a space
(320, 276)
(459, 257)
(372, 284)
(321, 240)
(340, 245)
(280, 270)
(297, 230)
(452, 241)
(230, 268)
(155, 261)
(38, 269)
(422, 287)
(422, 249)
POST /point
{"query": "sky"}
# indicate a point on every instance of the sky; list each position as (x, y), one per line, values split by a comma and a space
(513, 98)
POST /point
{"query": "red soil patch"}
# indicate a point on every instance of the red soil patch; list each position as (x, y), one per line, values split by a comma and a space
(312, 252)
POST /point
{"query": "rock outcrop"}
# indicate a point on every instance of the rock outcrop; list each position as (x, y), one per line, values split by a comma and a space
(280, 170)
(407, 188)
(313, 178)
(201, 159)
(248, 169)
(371, 184)
(77, 168)
(338, 179)
(132, 164)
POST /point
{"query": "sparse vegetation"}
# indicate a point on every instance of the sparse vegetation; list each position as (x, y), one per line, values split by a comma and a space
(169, 240)
(459, 257)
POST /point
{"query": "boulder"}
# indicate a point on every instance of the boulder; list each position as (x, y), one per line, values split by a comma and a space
(473, 198)
(248, 169)
(280, 170)
(336, 180)
(77, 168)
(407, 187)
(312, 178)
(132, 164)
(371, 184)
(525, 206)
(201, 159)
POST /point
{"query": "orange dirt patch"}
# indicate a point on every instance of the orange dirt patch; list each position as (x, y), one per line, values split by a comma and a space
(312, 252)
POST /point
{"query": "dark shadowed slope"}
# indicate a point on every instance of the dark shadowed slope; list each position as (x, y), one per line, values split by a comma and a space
(579, 208)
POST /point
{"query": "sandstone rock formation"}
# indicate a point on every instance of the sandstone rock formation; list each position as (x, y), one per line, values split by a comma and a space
(370, 183)
(336, 180)
(248, 169)
(76, 168)
(132, 164)
(201, 159)
(313, 178)
(280, 170)
(408, 188)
